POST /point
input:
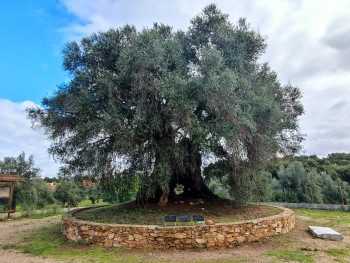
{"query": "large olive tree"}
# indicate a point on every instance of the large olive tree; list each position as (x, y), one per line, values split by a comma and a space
(157, 103)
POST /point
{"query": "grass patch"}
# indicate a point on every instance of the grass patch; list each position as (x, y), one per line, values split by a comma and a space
(88, 202)
(8, 246)
(222, 261)
(330, 218)
(336, 252)
(219, 210)
(56, 206)
(339, 254)
(43, 215)
(49, 242)
(286, 255)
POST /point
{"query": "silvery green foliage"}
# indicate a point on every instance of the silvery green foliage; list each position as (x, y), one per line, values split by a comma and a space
(162, 100)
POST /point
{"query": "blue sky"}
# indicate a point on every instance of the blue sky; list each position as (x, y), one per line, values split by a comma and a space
(30, 48)
(308, 45)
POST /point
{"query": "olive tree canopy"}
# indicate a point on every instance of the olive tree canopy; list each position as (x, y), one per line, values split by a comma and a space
(157, 103)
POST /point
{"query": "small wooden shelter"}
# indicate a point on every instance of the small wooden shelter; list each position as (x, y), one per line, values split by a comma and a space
(7, 184)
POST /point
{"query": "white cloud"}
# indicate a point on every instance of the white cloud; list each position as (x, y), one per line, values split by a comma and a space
(308, 45)
(17, 136)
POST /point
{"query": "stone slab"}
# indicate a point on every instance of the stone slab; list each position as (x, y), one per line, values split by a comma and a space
(325, 233)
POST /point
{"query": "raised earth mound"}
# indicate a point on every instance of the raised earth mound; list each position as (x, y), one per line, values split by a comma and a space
(133, 226)
(218, 210)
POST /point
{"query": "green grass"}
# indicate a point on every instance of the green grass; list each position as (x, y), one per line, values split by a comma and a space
(339, 254)
(87, 202)
(286, 255)
(295, 252)
(219, 211)
(54, 210)
(49, 242)
(43, 215)
(83, 203)
(329, 218)
(336, 252)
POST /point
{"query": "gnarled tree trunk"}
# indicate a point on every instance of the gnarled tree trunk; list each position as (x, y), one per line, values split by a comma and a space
(188, 174)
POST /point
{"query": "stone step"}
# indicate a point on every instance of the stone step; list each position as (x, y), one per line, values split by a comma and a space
(325, 233)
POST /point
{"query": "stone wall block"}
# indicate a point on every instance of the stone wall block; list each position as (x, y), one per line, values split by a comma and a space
(220, 237)
(180, 235)
(183, 237)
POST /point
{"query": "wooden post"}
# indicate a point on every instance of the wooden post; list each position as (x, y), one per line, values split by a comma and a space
(9, 180)
(9, 206)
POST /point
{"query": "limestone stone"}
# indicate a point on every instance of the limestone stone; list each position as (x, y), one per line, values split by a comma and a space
(325, 233)
(213, 229)
(117, 245)
(220, 237)
(225, 229)
(240, 239)
(251, 239)
(183, 237)
(108, 243)
(200, 240)
(188, 241)
(211, 240)
(180, 235)
(84, 227)
(138, 237)
(230, 239)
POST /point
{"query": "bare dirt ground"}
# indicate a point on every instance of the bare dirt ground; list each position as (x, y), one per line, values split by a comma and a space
(11, 233)
(299, 239)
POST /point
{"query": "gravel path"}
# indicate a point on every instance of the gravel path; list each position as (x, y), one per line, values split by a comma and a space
(11, 232)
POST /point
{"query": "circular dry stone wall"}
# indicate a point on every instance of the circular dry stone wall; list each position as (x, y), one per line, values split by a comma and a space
(179, 237)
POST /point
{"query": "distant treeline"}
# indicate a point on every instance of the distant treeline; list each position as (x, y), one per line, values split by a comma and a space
(311, 179)
(299, 179)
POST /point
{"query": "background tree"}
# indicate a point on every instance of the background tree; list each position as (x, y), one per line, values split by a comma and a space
(305, 180)
(21, 166)
(291, 179)
(93, 193)
(69, 192)
(41, 193)
(162, 101)
(123, 187)
(31, 192)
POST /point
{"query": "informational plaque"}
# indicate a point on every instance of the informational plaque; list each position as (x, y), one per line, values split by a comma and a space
(5, 191)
